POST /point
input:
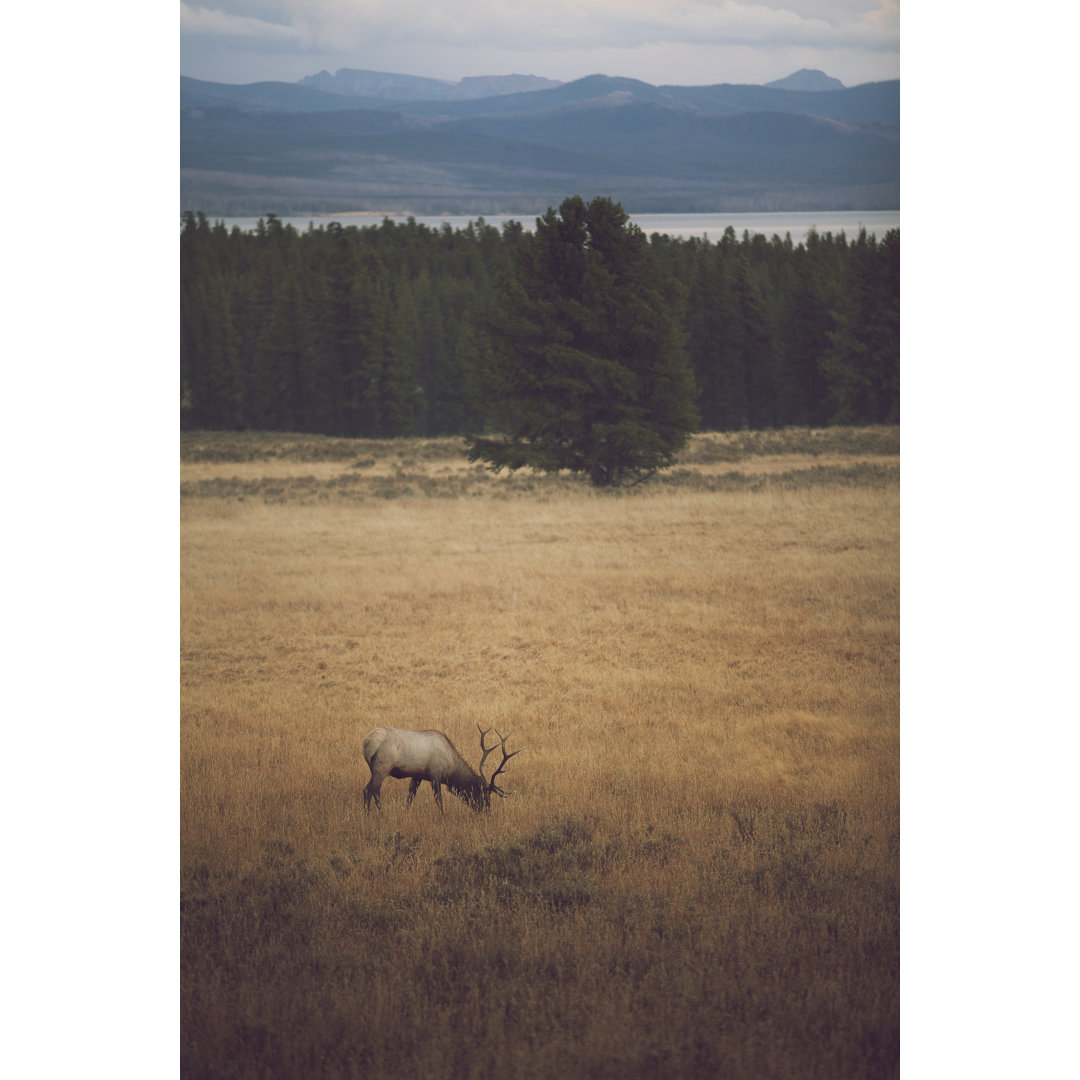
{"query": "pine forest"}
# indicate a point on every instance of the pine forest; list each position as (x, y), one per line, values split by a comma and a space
(368, 331)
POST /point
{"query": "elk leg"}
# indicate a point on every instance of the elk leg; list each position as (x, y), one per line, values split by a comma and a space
(414, 787)
(378, 775)
(437, 788)
(371, 792)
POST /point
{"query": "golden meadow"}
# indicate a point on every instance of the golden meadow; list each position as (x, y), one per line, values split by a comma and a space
(697, 872)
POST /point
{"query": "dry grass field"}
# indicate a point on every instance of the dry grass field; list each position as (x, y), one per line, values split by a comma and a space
(697, 872)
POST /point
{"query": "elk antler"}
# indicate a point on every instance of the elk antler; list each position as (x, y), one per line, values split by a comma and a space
(500, 745)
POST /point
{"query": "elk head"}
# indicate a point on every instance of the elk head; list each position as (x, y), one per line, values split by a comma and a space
(489, 784)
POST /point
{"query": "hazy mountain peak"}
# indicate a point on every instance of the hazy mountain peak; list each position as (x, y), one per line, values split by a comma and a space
(807, 79)
(495, 85)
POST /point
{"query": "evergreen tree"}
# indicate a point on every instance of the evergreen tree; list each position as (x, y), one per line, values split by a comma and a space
(708, 318)
(257, 357)
(755, 351)
(806, 336)
(381, 378)
(281, 363)
(209, 343)
(339, 332)
(580, 364)
(862, 363)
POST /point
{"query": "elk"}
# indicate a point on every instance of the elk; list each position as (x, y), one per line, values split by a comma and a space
(430, 755)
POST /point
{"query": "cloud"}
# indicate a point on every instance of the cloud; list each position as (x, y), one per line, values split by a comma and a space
(532, 25)
(214, 22)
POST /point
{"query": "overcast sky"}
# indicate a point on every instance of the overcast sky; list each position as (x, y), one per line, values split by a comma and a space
(679, 42)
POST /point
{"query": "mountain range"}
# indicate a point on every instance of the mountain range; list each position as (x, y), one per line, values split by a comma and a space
(380, 142)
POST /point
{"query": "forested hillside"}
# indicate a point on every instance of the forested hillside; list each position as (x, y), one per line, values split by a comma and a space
(366, 331)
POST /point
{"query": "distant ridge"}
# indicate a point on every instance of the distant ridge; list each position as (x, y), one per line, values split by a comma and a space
(807, 79)
(382, 84)
(272, 96)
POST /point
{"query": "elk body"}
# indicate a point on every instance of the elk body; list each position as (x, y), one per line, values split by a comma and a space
(429, 755)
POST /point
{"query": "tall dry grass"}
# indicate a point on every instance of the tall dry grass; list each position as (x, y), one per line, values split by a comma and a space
(697, 873)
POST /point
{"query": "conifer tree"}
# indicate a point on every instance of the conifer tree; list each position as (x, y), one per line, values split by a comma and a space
(580, 363)
(862, 363)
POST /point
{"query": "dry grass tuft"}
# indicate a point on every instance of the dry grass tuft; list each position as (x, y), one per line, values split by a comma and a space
(697, 873)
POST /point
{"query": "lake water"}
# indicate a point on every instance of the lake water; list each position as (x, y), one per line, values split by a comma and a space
(683, 226)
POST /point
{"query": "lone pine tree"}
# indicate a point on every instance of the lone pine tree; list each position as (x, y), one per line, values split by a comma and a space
(580, 363)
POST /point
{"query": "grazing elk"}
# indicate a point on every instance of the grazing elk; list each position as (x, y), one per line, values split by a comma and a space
(431, 756)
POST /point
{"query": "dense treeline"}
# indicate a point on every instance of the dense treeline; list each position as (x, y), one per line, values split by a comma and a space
(367, 331)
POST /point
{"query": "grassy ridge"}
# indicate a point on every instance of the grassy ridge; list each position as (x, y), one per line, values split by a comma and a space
(697, 873)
